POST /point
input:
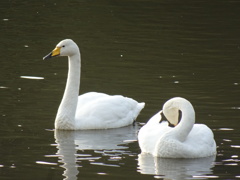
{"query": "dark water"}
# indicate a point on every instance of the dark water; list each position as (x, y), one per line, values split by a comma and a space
(148, 50)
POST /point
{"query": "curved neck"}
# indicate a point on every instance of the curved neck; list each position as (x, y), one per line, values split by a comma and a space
(67, 109)
(187, 121)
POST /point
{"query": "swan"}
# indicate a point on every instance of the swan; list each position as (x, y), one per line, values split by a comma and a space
(185, 140)
(91, 110)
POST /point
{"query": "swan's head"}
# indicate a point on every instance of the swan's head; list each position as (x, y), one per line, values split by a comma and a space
(66, 47)
(171, 110)
(163, 118)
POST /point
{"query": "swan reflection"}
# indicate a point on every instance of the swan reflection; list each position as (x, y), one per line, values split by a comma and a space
(175, 168)
(101, 141)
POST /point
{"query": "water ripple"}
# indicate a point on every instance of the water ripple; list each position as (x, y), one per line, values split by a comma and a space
(31, 77)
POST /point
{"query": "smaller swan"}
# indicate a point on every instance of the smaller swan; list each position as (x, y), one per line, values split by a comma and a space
(185, 140)
(91, 110)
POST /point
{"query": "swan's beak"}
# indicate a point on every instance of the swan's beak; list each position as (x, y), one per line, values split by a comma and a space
(163, 118)
(54, 53)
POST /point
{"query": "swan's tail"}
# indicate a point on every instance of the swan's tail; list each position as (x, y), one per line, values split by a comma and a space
(139, 107)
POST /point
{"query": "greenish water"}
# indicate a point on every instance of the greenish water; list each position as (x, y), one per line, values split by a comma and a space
(148, 50)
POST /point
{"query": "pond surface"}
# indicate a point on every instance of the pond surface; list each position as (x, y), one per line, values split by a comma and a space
(148, 50)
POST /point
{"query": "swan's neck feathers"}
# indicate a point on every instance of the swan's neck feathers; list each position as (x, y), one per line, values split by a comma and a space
(186, 123)
(67, 109)
(185, 126)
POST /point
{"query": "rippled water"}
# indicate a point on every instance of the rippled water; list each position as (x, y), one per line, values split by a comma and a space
(148, 50)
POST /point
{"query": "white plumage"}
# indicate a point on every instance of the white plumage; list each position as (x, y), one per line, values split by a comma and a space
(91, 110)
(185, 140)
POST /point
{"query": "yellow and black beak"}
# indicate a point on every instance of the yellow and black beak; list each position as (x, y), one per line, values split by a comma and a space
(54, 53)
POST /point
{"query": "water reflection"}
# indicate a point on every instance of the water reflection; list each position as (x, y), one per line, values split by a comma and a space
(175, 168)
(110, 142)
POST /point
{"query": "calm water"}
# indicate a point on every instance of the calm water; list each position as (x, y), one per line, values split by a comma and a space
(148, 50)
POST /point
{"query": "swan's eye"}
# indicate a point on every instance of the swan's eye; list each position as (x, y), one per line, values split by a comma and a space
(63, 46)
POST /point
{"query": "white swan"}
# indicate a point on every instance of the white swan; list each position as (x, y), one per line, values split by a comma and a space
(91, 110)
(185, 140)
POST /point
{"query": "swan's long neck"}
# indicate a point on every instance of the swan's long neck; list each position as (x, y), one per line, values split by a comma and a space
(65, 118)
(187, 121)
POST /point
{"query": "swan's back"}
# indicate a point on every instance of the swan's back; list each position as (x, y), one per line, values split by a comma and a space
(101, 111)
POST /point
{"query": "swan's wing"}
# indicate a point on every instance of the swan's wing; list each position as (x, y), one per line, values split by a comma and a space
(201, 141)
(101, 111)
(150, 133)
(202, 134)
(89, 97)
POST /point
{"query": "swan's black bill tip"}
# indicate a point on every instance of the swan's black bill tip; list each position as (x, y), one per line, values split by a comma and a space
(48, 56)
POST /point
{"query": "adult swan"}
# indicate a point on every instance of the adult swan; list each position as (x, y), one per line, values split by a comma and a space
(91, 110)
(185, 140)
